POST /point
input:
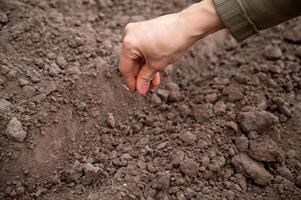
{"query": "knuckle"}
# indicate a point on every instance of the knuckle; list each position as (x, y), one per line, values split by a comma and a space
(128, 26)
(129, 41)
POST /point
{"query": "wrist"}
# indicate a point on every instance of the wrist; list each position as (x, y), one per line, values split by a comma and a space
(200, 19)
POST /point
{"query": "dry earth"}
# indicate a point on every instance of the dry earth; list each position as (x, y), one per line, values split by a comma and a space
(224, 125)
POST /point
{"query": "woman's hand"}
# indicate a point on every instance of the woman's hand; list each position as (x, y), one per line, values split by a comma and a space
(150, 46)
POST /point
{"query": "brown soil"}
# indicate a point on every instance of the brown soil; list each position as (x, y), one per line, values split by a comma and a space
(225, 124)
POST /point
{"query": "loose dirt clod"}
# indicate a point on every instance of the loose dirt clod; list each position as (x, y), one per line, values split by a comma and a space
(251, 168)
(266, 150)
(255, 120)
(15, 130)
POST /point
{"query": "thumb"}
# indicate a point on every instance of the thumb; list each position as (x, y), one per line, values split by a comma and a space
(144, 78)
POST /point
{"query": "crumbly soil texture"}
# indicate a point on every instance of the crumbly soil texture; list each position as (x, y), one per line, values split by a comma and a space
(225, 123)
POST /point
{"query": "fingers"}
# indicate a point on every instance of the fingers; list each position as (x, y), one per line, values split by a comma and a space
(128, 67)
(145, 77)
(156, 81)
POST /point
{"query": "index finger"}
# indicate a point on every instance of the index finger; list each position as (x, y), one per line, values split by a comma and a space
(128, 67)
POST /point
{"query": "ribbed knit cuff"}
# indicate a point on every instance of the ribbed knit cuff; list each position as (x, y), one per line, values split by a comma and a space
(235, 18)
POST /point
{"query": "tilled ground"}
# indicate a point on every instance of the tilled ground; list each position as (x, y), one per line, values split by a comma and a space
(225, 124)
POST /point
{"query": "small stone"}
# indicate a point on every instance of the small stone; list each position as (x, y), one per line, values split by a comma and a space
(177, 158)
(23, 82)
(251, 168)
(4, 106)
(217, 163)
(233, 125)
(20, 190)
(184, 110)
(211, 98)
(293, 35)
(4, 69)
(253, 135)
(242, 143)
(255, 120)
(12, 74)
(28, 91)
(72, 173)
(205, 161)
(189, 167)
(111, 120)
(60, 61)
(266, 150)
(188, 138)
(173, 86)
(276, 69)
(15, 130)
(219, 108)
(3, 18)
(51, 56)
(230, 195)
(163, 180)
(233, 93)
(163, 94)
(241, 180)
(162, 145)
(206, 190)
(90, 169)
(283, 171)
(156, 99)
(298, 51)
(203, 112)
(298, 181)
(272, 53)
(47, 87)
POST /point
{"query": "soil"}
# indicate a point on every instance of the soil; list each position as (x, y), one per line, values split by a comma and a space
(224, 124)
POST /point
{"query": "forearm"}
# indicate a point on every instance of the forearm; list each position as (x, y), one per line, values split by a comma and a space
(246, 17)
(201, 19)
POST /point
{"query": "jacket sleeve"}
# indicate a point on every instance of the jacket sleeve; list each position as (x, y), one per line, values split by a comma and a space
(243, 18)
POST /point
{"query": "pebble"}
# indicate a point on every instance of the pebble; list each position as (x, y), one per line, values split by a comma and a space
(298, 181)
(72, 173)
(51, 55)
(255, 120)
(251, 168)
(163, 94)
(285, 172)
(233, 93)
(47, 87)
(4, 105)
(203, 112)
(156, 99)
(188, 138)
(177, 158)
(189, 167)
(298, 51)
(242, 143)
(163, 180)
(4, 69)
(15, 130)
(3, 18)
(293, 35)
(266, 150)
(272, 53)
(61, 62)
(111, 120)
(217, 163)
(205, 161)
(219, 108)
(211, 98)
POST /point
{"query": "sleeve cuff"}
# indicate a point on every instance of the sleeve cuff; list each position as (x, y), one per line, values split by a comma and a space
(235, 18)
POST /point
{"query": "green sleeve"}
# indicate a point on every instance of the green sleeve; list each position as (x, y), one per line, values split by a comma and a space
(243, 18)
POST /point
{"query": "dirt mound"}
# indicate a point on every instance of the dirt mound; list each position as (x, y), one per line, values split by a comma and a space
(225, 124)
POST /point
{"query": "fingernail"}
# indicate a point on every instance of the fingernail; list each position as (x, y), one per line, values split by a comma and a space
(143, 90)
